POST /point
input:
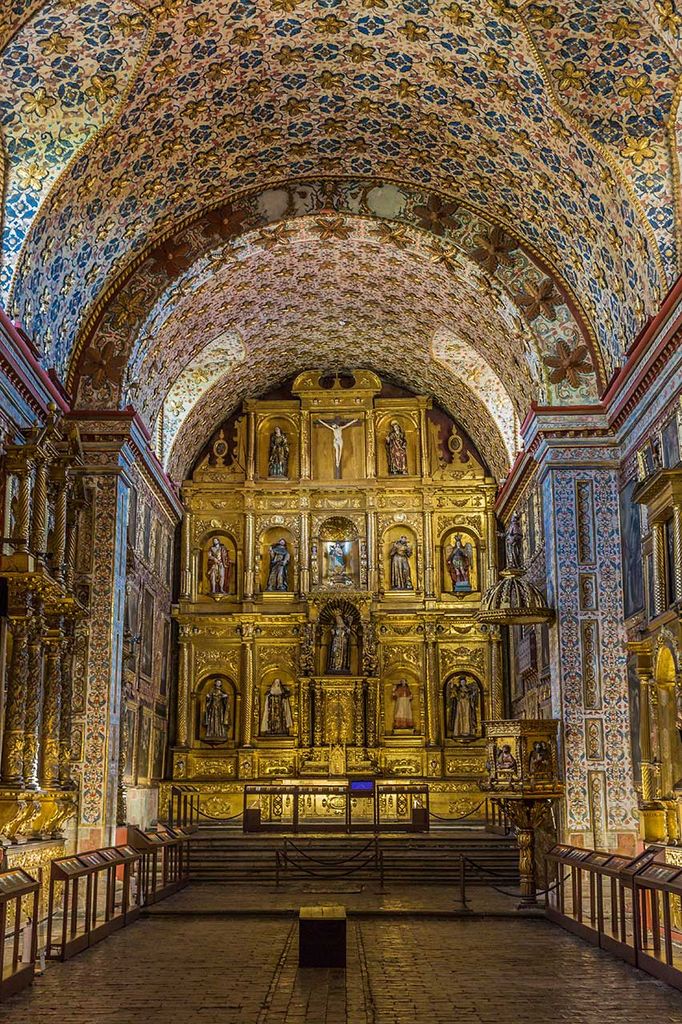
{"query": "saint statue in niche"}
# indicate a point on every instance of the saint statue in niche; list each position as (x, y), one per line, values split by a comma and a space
(505, 760)
(337, 428)
(399, 554)
(216, 713)
(338, 656)
(218, 567)
(278, 575)
(514, 543)
(277, 719)
(463, 707)
(337, 563)
(278, 454)
(396, 450)
(539, 761)
(459, 561)
(402, 706)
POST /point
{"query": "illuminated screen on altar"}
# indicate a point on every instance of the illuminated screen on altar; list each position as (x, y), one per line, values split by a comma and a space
(362, 787)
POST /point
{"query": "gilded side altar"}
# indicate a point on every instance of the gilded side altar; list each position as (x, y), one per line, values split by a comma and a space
(336, 542)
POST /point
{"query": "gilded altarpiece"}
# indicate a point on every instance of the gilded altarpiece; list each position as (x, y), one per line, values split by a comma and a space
(336, 542)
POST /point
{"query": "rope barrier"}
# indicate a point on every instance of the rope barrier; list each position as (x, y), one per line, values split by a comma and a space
(461, 817)
(329, 860)
(317, 874)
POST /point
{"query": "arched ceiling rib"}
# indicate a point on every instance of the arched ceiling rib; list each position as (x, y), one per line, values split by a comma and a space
(278, 243)
(550, 116)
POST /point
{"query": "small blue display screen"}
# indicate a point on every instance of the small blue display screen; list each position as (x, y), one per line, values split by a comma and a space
(362, 786)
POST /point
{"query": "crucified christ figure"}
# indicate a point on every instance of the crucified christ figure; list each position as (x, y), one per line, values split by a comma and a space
(337, 427)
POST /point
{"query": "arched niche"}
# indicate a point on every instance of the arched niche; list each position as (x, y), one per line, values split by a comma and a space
(668, 719)
(395, 701)
(460, 553)
(463, 706)
(399, 542)
(217, 719)
(337, 553)
(277, 719)
(277, 575)
(408, 428)
(339, 622)
(219, 565)
(267, 425)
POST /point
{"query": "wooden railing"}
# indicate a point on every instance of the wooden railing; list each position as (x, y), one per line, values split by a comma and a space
(17, 970)
(184, 806)
(625, 905)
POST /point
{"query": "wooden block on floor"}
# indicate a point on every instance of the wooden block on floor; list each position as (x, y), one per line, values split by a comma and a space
(322, 936)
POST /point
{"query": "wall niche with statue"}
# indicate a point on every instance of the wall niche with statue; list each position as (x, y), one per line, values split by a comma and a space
(400, 562)
(219, 566)
(402, 701)
(338, 555)
(398, 444)
(217, 711)
(278, 561)
(463, 707)
(277, 446)
(460, 558)
(340, 640)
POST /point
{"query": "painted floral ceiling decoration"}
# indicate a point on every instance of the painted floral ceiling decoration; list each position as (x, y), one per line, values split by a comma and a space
(63, 76)
(554, 119)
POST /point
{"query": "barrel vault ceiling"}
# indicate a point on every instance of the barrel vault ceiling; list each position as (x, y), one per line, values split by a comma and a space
(199, 197)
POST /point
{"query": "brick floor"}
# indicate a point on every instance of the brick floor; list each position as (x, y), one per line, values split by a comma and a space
(238, 970)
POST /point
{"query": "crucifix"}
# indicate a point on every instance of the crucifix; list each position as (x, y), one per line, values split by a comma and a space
(337, 427)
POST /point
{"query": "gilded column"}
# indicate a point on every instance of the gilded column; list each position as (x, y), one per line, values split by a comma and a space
(424, 443)
(317, 731)
(496, 677)
(73, 519)
(659, 567)
(251, 449)
(39, 508)
(303, 554)
(429, 576)
(184, 675)
(15, 706)
(51, 719)
(371, 453)
(372, 554)
(22, 526)
(305, 445)
(491, 545)
(34, 700)
(59, 534)
(677, 547)
(249, 558)
(186, 582)
(66, 709)
(431, 688)
(249, 681)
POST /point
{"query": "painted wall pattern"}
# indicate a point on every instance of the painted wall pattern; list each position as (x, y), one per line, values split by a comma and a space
(606, 626)
(462, 99)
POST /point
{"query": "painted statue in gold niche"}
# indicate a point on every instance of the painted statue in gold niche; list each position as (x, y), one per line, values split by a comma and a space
(278, 454)
(402, 706)
(216, 713)
(277, 718)
(396, 450)
(337, 428)
(338, 656)
(463, 703)
(400, 553)
(218, 567)
(278, 575)
(459, 560)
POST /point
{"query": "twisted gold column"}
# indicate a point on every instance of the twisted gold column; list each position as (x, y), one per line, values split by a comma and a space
(34, 700)
(15, 707)
(52, 705)
(39, 518)
(66, 710)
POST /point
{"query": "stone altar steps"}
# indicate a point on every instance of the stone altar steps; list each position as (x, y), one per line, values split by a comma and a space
(431, 859)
